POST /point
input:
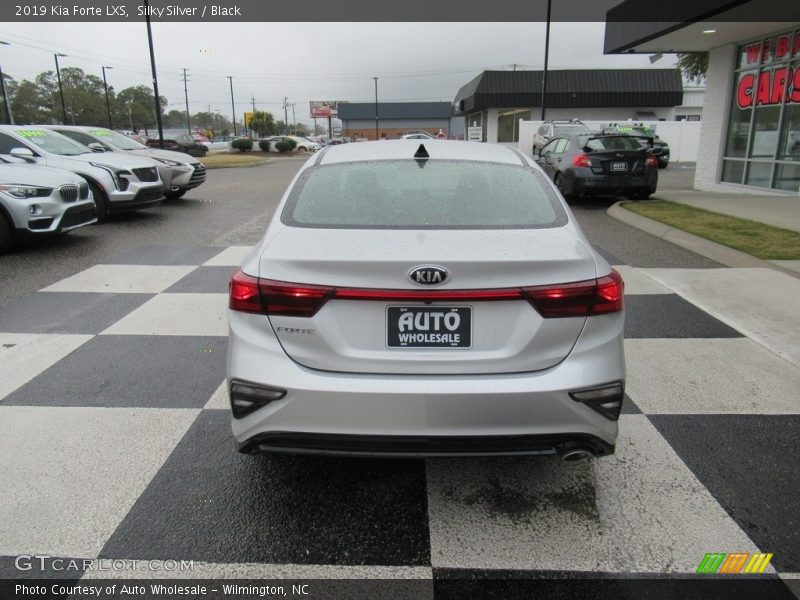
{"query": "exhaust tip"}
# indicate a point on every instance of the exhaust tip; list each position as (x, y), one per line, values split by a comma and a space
(576, 454)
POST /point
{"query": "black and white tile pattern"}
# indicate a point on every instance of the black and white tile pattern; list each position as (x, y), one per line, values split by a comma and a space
(115, 443)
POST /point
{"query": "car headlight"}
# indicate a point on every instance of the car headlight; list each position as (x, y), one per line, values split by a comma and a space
(120, 176)
(20, 190)
(166, 161)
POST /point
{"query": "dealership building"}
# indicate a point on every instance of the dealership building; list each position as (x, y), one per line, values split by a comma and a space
(368, 120)
(750, 129)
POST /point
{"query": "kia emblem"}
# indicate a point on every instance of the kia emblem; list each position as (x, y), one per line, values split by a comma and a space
(428, 275)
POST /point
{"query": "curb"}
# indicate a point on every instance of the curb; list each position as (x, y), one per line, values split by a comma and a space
(255, 164)
(711, 250)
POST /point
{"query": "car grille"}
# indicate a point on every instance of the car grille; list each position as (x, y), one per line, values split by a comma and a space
(149, 174)
(199, 173)
(76, 217)
(69, 193)
(155, 193)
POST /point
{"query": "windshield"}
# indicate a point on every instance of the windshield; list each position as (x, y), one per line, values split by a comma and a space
(53, 142)
(572, 128)
(443, 194)
(123, 142)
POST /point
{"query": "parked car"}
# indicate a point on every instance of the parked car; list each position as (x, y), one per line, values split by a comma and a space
(38, 201)
(660, 148)
(179, 172)
(601, 164)
(180, 142)
(335, 141)
(302, 144)
(550, 129)
(139, 137)
(118, 182)
(417, 135)
(221, 143)
(395, 307)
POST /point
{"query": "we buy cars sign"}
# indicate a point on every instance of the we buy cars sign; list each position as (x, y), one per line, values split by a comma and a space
(322, 109)
(770, 85)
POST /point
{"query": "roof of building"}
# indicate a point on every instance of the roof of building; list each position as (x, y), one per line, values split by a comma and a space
(572, 88)
(396, 110)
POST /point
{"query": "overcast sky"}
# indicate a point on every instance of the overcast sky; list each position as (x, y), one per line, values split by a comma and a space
(305, 61)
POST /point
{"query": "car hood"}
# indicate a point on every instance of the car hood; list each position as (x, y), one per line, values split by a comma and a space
(166, 154)
(113, 159)
(36, 175)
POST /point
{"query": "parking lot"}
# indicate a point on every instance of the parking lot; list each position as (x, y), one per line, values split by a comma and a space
(115, 438)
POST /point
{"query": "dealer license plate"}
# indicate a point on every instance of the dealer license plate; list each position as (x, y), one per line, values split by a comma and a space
(429, 327)
(619, 166)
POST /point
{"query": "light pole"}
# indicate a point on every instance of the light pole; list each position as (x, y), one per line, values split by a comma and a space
(186, 96)
(376, 108)
(155, 76)
(60, 87)
(546, 56)
(9, 118)
(108, 104)
(233, 107)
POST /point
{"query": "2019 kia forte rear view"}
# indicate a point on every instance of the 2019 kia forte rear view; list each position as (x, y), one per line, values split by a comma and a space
(425, 299)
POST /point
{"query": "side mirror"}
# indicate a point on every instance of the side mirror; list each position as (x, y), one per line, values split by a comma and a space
(97, 147)
(23, 153)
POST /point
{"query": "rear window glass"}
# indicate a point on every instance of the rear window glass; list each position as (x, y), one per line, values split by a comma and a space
(621, 142)
(398, 194)
(572, 128)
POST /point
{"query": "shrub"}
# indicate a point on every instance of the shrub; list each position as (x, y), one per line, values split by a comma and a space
(283, 146)
(264, 145)
(242, 144)
(292, 143)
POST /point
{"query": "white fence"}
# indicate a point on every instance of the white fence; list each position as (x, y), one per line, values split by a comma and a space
(683, 137)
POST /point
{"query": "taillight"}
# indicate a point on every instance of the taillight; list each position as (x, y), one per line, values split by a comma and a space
(243, 293)
(651, 161)
(579, 299)
(581, 160)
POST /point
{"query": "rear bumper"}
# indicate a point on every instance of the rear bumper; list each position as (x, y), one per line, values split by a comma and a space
(443, 415)
(614, 183)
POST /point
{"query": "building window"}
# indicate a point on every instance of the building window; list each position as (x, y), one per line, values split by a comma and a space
(762, 145)
(508, 124)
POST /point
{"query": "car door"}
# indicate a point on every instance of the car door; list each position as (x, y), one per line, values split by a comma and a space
(558, 157)
(548, 156)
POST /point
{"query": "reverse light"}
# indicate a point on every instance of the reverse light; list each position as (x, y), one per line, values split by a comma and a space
(249, 397)
(605, 399)
(581, 160)
(279, 298)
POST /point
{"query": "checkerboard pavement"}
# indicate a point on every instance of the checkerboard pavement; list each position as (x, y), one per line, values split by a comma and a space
(115, 443)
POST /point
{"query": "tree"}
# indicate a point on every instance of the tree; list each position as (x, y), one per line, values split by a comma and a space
(693, 65)
(27, 104)
(84, 97)
(175, 119)
(136, 106)
(262, 124)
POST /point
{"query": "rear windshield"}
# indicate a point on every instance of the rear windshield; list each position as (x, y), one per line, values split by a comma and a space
(619, 142)
(444, 194)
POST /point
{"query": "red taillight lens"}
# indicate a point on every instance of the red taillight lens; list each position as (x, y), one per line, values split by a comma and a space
(581, 160)
(651, 161)
(610, 293)
(243, 293)
(292, 299)
(580, 299)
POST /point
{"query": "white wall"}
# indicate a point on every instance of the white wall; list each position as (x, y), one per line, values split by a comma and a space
(683, 137)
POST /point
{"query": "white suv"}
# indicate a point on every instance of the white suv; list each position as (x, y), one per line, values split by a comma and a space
(118, 182)
(550, 129)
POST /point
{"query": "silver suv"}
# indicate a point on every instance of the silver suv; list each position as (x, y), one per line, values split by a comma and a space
(39, 201)
(550, 129)
(179, 171)
(118, 182)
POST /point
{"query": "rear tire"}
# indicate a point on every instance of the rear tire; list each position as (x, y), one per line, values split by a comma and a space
(100, 202)
(559, 181)
(175, 195)
(6, 235)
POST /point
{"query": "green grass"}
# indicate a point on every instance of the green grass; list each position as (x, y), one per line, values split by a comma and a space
(757, 239)
(236, 159)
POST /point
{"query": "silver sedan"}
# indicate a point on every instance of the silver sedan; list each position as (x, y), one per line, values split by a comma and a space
(425, 299)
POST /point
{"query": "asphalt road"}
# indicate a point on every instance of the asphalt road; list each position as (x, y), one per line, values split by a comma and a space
(234, 206)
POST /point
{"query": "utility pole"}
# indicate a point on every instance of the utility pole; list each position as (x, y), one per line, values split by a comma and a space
(285, 115)
(186, 96)
(9, 118)
(294, 120)
(233, 107)
(155, 75)
(376, 108)
(546, 56)
(108, 104)
(60, 87)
